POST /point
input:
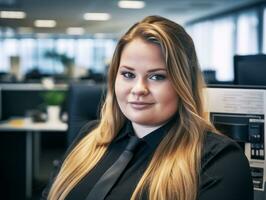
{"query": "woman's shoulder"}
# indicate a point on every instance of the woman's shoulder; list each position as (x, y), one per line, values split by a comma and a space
(225, 171)
(218, 140)
(85, 129)
(216, 144)
(88, 127)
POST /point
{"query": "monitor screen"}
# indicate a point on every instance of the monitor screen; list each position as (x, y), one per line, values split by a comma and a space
(250, 70)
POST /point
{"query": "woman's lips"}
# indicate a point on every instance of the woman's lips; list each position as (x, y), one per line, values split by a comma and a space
(140, 105)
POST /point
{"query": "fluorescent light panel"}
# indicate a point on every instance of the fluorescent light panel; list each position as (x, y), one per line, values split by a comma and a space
(75, 30)
(97, 16)
(131, 4)
(45, 23)
(12, 14)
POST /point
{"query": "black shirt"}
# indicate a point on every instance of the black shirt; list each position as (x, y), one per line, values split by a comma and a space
(225, 173)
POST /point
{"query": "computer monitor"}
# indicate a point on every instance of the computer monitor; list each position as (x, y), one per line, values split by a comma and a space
(239, 112)
(250, 70)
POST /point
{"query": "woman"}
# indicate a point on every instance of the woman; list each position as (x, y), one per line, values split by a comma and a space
(155, 93)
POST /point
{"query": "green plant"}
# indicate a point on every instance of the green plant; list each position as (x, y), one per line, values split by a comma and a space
(63, 58)
(53, 97)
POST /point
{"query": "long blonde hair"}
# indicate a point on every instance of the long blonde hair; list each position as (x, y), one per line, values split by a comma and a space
(173, 172)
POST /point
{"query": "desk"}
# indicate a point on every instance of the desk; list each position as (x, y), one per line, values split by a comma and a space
(32, 141)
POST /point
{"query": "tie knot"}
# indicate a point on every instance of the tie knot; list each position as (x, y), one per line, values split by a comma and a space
(133, 143)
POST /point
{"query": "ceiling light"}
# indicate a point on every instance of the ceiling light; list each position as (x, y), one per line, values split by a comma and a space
(131, 4)
(97, 16)
(75, 31)
(45, 23)
(12, 14)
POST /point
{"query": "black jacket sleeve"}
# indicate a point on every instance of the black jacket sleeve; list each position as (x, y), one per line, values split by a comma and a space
(225, 173)
(83, 132)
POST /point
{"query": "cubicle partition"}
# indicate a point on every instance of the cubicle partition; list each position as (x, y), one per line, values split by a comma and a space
(18, 99)
(20, 139)
(13, 167)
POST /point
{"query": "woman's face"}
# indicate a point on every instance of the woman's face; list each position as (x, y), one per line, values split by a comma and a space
(143, 89)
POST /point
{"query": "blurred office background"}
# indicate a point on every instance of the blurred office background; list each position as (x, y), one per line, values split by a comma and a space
(49, 46)
(74, 38)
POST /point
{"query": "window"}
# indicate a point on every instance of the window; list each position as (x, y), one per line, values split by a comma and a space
(45, 64)
(64, 47)
(222, 48)
(84, 56)
(247, 36)
(219, 38)
(264, 31)
(28, 54)
(214, 45)
(103, 52)
(9, 48)
(201, 34)
(87, 53)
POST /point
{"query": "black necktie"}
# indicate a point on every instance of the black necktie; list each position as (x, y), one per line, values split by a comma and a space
(109, 178)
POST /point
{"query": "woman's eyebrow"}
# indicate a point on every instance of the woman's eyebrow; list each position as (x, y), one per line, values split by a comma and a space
(151, 70)
(127, 67)
(157, 69)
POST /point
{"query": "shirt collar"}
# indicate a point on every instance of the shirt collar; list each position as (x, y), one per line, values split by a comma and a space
(152, 139)
(126, 131)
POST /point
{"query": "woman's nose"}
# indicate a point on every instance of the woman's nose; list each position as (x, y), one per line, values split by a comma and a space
(140, 88)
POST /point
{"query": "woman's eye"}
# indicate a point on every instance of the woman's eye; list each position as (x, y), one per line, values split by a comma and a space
(158, 77)
(128, 75)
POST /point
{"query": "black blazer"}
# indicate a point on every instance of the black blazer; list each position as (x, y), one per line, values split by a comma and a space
(225, 172)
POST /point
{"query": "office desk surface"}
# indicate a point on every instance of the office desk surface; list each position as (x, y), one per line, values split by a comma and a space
(23, 124)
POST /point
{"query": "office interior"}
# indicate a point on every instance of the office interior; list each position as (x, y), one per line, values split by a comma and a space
(53, 78)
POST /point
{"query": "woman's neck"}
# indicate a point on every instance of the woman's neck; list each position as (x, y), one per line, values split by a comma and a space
(143, 130)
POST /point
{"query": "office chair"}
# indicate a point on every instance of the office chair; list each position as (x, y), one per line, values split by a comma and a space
(83, 105)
